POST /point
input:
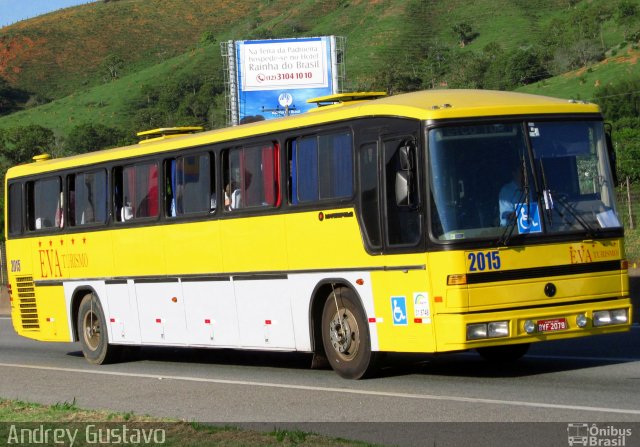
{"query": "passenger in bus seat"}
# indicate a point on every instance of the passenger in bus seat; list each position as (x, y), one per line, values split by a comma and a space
(126, 213)
(232, 200)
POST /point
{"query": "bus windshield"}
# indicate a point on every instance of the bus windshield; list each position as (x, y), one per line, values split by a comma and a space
(529, 178)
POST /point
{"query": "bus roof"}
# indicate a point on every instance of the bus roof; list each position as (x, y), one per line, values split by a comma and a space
(423, 105)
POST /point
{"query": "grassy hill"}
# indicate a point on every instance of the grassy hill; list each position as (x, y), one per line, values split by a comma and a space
(56, 54)
(64, 56)
(585, 82)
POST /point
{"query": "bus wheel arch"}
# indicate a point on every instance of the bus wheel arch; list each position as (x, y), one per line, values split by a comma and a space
(76, 299)
(91, 327)
(341, 331)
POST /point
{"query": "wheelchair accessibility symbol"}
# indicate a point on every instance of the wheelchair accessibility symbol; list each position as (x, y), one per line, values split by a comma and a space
(528, 218)
(399, 310)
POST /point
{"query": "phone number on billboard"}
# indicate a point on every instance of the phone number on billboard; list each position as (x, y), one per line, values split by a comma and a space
(261, 77)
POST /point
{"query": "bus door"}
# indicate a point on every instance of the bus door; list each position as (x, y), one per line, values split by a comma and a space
(401, 290)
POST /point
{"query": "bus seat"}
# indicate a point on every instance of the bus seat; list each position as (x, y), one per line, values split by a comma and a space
(235, 200)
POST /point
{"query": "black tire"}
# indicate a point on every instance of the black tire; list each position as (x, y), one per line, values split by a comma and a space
(93, 334)
(345, 335)
(504, 354)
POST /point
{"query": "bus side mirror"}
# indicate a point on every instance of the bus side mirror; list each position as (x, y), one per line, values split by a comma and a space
(611, 152)
(405, 176)
(406, 154)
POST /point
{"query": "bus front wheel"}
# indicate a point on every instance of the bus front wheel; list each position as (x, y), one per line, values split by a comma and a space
(92, 332)
(345, 335)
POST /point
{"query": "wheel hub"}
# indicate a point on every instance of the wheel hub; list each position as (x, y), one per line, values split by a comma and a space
(92, 330)
(340, 333)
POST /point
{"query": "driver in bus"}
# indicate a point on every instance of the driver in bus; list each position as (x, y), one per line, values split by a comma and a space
(510, 195)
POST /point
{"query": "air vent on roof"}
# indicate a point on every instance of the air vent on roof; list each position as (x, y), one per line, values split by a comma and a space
(167, 132)
(341, 98)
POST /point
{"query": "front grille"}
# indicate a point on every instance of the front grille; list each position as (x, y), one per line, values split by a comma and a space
(543, 272)
(27, 302)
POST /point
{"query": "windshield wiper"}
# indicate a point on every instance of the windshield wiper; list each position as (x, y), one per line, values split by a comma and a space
(566, 205)
(549, 206)
(547, 198)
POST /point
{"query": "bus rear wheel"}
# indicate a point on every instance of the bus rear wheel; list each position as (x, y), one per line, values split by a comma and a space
(505, 353)
(92, 332)
(345, 335)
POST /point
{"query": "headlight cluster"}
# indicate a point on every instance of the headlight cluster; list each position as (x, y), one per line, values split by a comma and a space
(610, 317)
(493, 329)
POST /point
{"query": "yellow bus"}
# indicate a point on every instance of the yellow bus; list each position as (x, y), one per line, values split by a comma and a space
(427, 222)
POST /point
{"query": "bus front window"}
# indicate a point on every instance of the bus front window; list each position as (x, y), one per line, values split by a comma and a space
(469, 167)
(575, 175)
(501, 180)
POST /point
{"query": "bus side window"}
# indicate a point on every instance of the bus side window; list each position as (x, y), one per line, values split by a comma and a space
(190, 185)
(321, 168)
(87, 198)
(44, 204)
(136, 191)
(250, 176)
(15, 208)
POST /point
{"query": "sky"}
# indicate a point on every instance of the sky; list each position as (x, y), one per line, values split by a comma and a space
(12, 11)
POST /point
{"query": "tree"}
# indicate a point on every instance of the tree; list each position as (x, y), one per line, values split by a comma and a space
(10, 97)
(579, 54)
(626, 16)
(89, 137)
(620, 100)
(626, 141)
(524, 66)
(464, 32)
(112, 64)
(21, 144)
(434, 65)
(207, 38)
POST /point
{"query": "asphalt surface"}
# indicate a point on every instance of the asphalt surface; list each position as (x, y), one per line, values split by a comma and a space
(591, 380)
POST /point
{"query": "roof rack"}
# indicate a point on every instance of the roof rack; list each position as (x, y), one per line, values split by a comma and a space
(340, 98)
(163, 133)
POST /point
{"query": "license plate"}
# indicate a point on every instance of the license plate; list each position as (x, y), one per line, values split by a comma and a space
(557, 324)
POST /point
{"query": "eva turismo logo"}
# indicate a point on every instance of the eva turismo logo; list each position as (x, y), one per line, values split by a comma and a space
(597, 435)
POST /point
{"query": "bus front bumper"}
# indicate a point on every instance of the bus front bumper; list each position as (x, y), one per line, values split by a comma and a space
(461, 331)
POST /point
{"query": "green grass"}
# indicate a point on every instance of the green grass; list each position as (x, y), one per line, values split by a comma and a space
(66, 415)
(583, 84)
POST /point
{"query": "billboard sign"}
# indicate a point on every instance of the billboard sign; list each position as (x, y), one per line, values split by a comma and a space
(276, 77)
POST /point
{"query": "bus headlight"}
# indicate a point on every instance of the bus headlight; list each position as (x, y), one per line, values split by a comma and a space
(619, 316)
(493, 329)
(476, 331)
(498, 329)
(601, 318)
(608, 317)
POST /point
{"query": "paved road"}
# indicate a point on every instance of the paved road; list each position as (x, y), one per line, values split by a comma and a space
(589, 380)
